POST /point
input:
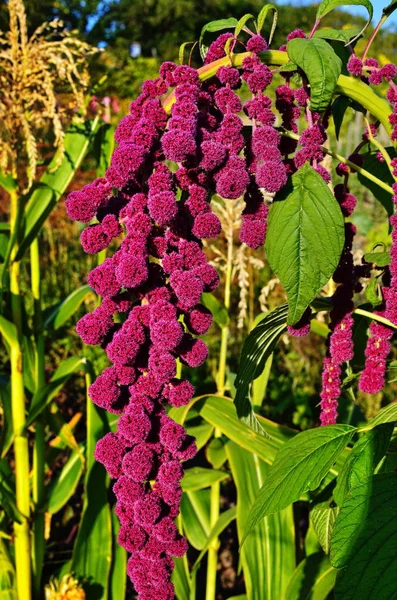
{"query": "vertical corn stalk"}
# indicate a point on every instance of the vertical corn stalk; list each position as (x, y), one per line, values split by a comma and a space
(221, 385)
(21, 451)
(38, 544)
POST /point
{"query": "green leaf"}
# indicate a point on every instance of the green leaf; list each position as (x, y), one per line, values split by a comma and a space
(8, 183)
(118, 576)
(92, 551)
(305, 238)
(224, 521)
(363, 459)
(339, 108)
(213, 27)
(373, 293)
(380, 259)
(382, 172)
(8, 589)
(313, 579)
(202, 433)
(215, 453)
(104, 145)
(8, 331)
(7, 492)
(387, 414)
(241, 24)
(323, 518)
(262, 18)
(6, 434)
(321, 66)
(45, 394)
(300, 466)
(63, 311)
(64, 486)
(341, 35)
(195, 511)
(257, 348)
(198, 478)
(268, 557)
(389, 9)
(364, 541)
(327, 5)
(53, 184)
(180, 578)
(219, 312)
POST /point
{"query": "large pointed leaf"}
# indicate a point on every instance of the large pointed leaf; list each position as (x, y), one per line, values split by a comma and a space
(262, 18)
(195, 511)
(365, 540)
(300, 465)
(54, 183)
(363, 459)
(8, 588)
(321, 66)
(313, 579)
(305, 239)
(387, 414)
(64, 486)
(323, 518)
(258, 346)
(45, 394)
(268, 557)
(198, 478)
(63, 311)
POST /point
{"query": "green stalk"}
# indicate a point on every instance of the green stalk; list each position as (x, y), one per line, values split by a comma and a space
(212, 564)
(21, 450)
(39, 442)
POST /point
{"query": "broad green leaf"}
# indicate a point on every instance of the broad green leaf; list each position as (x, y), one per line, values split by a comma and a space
(363, 459)
(341, 35)
(92, 551)
(8, 590)
(45, 394)
(118, 575)
(64, 486)
(195, 511)
(224, 521)
(313, 579)
(7, 492)
(104, 145)
(326, 6)
(382, 172)
(300, 465)
(54, 183)
(305, 238)
(215, 452)
(387, 414)
(257, 348)
(380, 259)
(213, 27)
(323, 518)
(364, 541)
(198, 478)
(63, 311)
(268, 557)
(219, 312)
(321, 66)
(262, 18)
(339, 108)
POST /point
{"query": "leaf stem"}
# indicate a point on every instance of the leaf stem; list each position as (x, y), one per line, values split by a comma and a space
(371, 39)
(348, 162)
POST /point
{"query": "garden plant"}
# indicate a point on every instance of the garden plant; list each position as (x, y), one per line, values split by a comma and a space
(245, 142)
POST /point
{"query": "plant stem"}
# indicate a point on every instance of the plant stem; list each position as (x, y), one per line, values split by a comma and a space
(371, 39)
(348, 162)
(21, 450)
(212, 565)
(39, 442)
